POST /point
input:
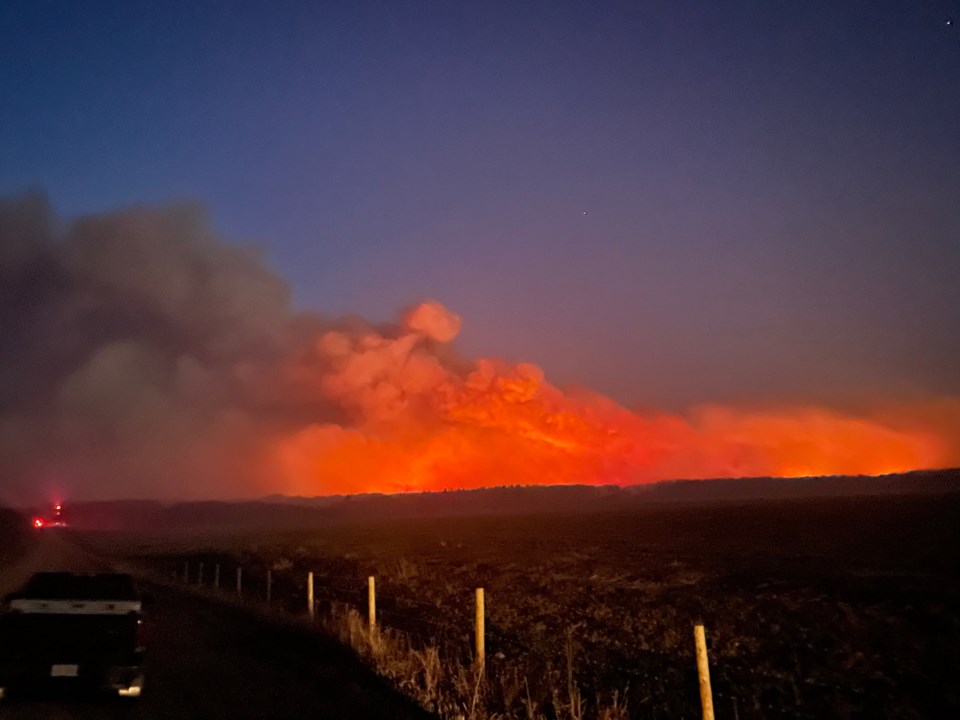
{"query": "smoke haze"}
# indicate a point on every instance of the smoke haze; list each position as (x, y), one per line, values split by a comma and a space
(143, 356)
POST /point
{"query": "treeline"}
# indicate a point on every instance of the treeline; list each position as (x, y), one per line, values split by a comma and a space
(282, 513)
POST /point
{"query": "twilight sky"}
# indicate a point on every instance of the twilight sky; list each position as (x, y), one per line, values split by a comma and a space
(670, 202)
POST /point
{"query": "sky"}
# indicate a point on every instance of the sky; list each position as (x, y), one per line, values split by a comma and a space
(671, 203)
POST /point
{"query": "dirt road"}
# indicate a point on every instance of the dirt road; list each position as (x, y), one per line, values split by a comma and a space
(208, 660)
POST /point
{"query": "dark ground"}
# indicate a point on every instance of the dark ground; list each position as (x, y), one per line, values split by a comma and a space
(815, 608)
(842, 607)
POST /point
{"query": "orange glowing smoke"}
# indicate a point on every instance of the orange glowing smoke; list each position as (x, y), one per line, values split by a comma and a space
(416, 417)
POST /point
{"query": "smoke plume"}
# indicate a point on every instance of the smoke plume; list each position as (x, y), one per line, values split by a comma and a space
(143, 356)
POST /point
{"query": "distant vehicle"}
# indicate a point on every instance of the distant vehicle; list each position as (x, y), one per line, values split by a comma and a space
(57, 519)
(71, 630)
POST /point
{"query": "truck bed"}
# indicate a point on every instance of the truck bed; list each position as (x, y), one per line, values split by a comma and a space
(48, 636)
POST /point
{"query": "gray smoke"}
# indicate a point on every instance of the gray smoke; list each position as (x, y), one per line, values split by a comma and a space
(139, 355)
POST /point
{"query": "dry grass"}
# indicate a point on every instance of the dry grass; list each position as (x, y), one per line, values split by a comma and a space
(456, 691)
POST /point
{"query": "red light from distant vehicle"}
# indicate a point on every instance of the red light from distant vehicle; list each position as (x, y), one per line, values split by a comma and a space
(38, 522)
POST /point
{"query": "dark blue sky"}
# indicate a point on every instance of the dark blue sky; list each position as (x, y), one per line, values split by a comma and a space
(771, 189)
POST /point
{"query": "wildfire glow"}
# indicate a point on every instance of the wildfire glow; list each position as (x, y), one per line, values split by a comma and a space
(151, 359)
(417, 420)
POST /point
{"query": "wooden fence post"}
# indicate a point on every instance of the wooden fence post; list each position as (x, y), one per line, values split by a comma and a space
(269, 585)
(216, 576)
(372, 602)
(311, 607)
(703, 670)
(239, 582)
(200, 575)
(479, 629)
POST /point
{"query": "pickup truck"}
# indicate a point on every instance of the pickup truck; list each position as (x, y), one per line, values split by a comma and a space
(71, 630)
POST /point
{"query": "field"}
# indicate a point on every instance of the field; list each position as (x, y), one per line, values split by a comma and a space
(14, 535)
(840, 608)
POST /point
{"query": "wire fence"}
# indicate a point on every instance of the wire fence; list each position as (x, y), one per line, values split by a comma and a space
(451, 629)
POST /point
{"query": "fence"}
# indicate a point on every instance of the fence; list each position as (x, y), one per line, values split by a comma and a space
(320, 592)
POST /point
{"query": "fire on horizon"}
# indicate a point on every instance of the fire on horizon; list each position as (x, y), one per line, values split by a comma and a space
(417, 425)
(150, 358)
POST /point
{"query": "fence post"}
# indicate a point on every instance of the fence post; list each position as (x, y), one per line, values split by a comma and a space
(372, 602)
(703, 670)
(311, 607)
(239, 582)
(269, 585)
(216, 576)
(479, 629)
(200, 575)
(186, 573)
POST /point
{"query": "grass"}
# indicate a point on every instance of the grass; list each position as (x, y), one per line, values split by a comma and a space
(15, 535)
(835, 608)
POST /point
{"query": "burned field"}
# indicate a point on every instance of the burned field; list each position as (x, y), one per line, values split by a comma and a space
(14, 534)
(813, 608)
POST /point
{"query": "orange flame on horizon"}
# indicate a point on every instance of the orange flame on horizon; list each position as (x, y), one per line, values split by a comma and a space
(417, 424)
